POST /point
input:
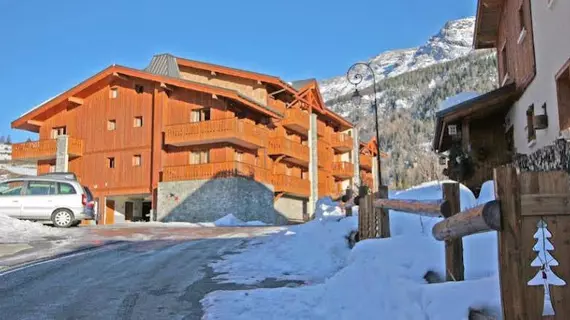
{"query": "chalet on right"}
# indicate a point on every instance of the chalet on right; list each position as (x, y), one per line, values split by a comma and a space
(526, 120)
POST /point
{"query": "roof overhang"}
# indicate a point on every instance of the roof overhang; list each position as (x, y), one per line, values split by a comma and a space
(320, 107)
(487, 23)
(30, 120)
(489, 104)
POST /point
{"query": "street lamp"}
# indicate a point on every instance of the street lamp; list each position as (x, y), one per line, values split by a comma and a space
(354, 76)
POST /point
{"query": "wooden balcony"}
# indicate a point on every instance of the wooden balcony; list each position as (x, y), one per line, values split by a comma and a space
(341, 142)
(343, 170)
(324, 187)
(291, 185)
(324, 155)
(297, 120)
(365, 162)
(294, 151)
(276, 105)
(45, 149)
(233, 130)
(207, 171)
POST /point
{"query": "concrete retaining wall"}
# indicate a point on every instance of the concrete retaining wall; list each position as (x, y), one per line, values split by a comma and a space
(293, 209)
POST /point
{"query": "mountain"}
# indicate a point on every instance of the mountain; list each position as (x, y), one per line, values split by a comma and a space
(411, 83)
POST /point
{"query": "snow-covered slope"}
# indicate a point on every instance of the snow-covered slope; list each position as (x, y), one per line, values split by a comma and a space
(453, 41)
(5, 152)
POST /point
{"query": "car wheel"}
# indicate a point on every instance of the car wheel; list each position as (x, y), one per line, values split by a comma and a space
(62, 218)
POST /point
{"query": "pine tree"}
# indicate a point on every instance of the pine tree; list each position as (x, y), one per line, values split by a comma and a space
(545, 276)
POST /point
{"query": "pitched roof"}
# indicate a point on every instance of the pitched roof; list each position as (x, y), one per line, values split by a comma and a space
(487, 23)
(22, 122)
(299, 84)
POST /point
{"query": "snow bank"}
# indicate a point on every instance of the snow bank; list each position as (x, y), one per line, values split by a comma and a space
(311, 252)
(231, 221)
(15, 230)
(25, 170)
(381, 278)
(326, 208)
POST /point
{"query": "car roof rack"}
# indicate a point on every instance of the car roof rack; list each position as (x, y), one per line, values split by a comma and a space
(60, 175)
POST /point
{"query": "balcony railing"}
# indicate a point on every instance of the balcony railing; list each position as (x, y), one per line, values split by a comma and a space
(207, 171)
(341, 142)
(365, 162)
(233, 130)
(321, 129)
(45, 149)
(343, 169)
(297, 120)
(324, 155)
(276, 105)
(291, 185)
(295, 151)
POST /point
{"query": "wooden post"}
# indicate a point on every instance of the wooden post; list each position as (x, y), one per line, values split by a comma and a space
(365, 215)
(453, 248)
(511, 276)
(383, 214)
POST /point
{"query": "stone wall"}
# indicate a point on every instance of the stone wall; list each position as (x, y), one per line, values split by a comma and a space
(209, 200)
(553, 157)
(292, 208)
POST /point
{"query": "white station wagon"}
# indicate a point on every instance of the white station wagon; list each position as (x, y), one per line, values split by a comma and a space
(56, 198)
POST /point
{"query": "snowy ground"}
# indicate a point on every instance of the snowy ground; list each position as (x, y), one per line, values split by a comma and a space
(380, 278)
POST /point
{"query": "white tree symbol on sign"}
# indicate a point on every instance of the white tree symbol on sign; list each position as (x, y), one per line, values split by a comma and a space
(545, 276)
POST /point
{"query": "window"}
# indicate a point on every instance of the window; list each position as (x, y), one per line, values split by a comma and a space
(52, 168)
(200, 115)
(138, 122)
(40, 188)
(114, 93)
(111, 125)
(139, 88)
(137, 160)
(522, 23)
(58, 131)
(563, 96)
(504, 64)
(111, 163)
(531, 132)
(11, 188)
(198, 157)
(65, 188)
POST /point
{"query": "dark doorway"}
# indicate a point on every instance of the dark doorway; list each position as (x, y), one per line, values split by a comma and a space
(146, 208)
(129, 211)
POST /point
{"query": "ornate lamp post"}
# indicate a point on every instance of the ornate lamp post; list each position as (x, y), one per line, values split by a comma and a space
(355, 77)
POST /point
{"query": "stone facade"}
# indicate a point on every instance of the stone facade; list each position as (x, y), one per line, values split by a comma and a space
(62, 157)
(209, 200)
(292, 208)
(549, 158)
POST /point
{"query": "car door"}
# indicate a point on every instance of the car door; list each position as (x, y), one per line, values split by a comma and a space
(11, 197)
(38, 201)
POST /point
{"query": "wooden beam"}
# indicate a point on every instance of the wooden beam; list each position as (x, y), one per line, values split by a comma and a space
(545, 204)
(432, 208)
(465, 134)
(213, 73)
(483, 218)
(166, 87)
(276, 92)
(120, 76)
(35, 123)
(75, 100)
(455, 270)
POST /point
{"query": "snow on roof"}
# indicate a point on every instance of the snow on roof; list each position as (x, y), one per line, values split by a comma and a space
(457, 99)
(41, 104)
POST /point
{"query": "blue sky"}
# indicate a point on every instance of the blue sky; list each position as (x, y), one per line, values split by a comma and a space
(47, 47)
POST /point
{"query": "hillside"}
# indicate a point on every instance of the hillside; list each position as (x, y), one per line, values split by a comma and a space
(412, 83)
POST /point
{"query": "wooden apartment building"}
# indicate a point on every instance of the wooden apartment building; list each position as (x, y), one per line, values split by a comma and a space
(530, 110)
(191, 141)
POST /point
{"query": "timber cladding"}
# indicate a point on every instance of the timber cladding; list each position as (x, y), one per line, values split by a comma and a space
(515, 50)
(522, 196)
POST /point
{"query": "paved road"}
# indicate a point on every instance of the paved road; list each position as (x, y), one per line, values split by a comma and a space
(157, 279)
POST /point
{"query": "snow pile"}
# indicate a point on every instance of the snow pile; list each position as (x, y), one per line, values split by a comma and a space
(231, 221)
(25, 170)
(328, 209)
(15, 230)
(381, 278)
(311, 252)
